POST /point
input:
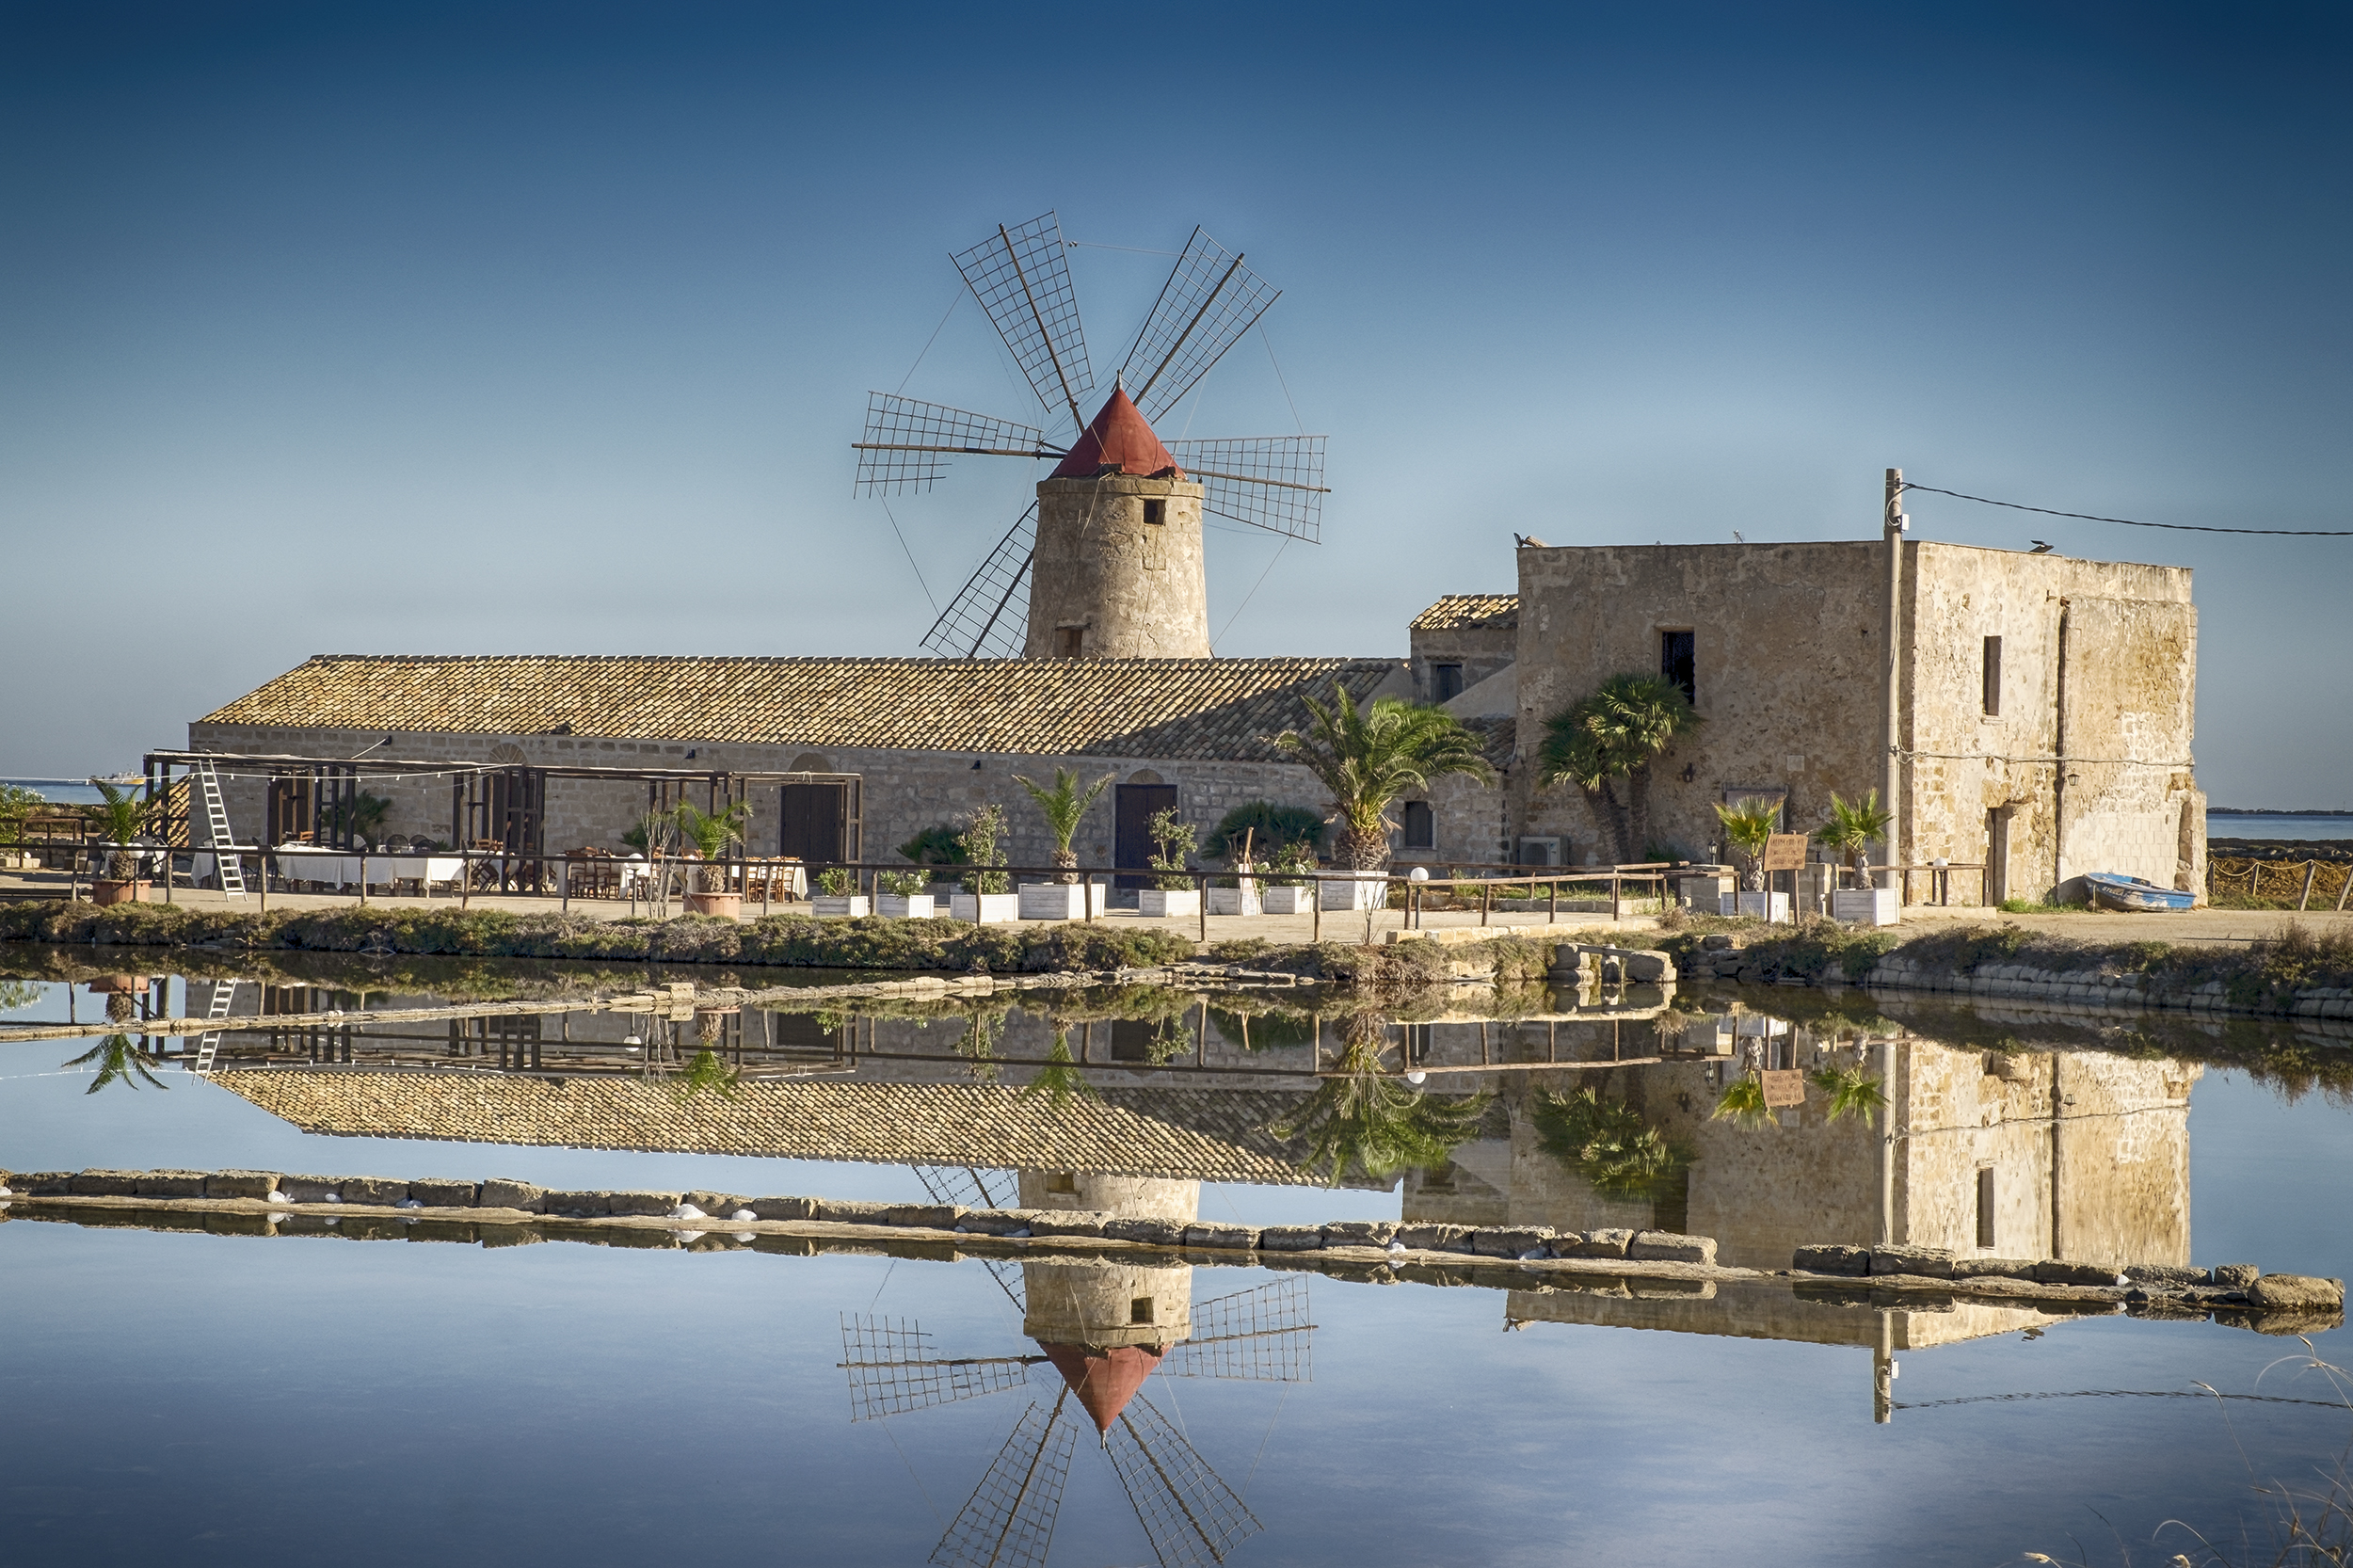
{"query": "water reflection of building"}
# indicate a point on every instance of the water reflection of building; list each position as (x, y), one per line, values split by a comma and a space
(2065, 1155)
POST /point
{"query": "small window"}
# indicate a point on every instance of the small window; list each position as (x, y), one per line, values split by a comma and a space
(1993, 675)
(1421, 826)
(1155, 513)
(1140, 1311)
(1062, 1181)
(1676, 661)
(1068, 640)
(1985, 1206)
(1445, 682)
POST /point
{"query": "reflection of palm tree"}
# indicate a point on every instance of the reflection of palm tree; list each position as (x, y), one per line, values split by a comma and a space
(1608, 1144)
(708, 1071)
(1361, 1117)
(980, 1044)
(118, 1059)
(1059, 1077)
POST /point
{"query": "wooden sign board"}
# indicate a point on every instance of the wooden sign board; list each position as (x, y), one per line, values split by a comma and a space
(1783, 1088)
(1785, 852)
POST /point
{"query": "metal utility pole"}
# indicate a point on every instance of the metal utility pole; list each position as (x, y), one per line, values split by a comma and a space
(1894, 522)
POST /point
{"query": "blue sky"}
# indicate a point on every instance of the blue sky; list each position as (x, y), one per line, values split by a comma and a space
(438, 328)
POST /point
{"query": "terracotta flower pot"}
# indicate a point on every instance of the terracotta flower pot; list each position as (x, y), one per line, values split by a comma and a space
(107, 890)
(728, 907)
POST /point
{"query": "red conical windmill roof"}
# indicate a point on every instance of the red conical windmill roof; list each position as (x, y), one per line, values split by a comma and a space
(1118, 436)
(1104, 1381)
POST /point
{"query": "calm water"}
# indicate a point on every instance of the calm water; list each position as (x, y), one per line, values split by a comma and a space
(217, 1398)
(2268, 826)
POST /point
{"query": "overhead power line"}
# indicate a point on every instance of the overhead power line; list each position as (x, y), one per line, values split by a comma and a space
(2129, 523)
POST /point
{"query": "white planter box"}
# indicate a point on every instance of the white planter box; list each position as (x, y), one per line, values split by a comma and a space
(1867, 906)
(1356, 893)
(986, 908)
(905, 906)
(1060, 901)
(1289, 901)
(1154, 904)
(1243, 900)
(855, 907)
(1767, 907)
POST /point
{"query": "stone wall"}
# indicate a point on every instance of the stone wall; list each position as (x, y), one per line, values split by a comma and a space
(1481, 650)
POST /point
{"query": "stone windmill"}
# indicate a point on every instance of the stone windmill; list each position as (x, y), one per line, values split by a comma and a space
(1104, 1328)
(1108, 563)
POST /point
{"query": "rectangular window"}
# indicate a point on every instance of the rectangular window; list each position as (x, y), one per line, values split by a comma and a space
(1421, 826)
(1062, 1181)
(1068, 640)
(1985, 1206)
(1140, 1311)
(1155, 513)
(1993, 675)
(1445, 682)
(1676, 661)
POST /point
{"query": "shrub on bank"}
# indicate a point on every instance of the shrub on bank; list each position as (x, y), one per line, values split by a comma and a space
(791, 941)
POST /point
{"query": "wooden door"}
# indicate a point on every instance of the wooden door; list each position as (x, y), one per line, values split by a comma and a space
(819, 822)
(1132, 841)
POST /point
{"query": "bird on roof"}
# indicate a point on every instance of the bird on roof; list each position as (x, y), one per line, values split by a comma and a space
(2040, 549)
(1529, 541)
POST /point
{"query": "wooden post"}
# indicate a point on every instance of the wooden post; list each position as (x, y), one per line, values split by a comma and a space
(1201, 893)
(465, 875)
(1552, 900)
(264, 858)
(1617, 903)
(2312, 870)
(363, 879)
(1486, 901)
(2345, 887)
(564, 887)
(1315, 907)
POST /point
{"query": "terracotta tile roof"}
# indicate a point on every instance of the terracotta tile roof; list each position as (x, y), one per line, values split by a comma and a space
(1459, 612)
(1208, 1134)
(1213, 709)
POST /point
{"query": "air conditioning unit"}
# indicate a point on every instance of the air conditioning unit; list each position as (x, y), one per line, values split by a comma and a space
(1539, 852)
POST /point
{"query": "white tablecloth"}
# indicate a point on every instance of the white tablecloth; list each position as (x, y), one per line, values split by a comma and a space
(342, 869)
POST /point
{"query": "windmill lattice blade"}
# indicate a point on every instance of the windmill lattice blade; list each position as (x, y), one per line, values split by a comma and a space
(1270, 482)
(1259, 1335)
(969, 1186)
(1009, 1520)
(1190, 1514)
(907, 442)
(893, 1369)
(1210, 300)
(1021, 276)
(990, 617)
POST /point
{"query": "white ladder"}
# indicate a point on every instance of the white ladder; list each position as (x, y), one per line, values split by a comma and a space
(226, 867)
(224, 994)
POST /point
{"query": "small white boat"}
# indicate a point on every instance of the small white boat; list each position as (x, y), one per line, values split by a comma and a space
(2136, 896)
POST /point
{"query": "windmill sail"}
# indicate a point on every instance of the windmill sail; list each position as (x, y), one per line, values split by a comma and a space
(970, 1186)
(1210, 300)
(907, 442)
(1270, 482)
(893, 1370)
(1258, 1336)
(1008, 1522)
(990, 617)
(1021, 276)
(1190, 1514)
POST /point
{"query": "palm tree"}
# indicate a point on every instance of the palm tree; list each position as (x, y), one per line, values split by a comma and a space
(1609, 739)
(712, 834)
(118, 1060)
(1363, 1118)
(1748, 826)
(120, 821)
(1852, 826)
(1608, 1144)
(1368, 757)
(1063, 807)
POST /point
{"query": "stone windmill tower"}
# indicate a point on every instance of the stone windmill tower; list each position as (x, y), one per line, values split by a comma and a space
(1109, 563)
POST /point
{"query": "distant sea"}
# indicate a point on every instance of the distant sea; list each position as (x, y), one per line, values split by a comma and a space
(65, 792)
(2272, 824)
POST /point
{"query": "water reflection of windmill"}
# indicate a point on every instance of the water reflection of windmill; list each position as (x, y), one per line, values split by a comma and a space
(1110, 555)
(1104, 1328)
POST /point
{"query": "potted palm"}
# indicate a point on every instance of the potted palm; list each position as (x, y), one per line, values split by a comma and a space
(1368, 757)
(940, 846)
(1069, 897)
(836, 894)
(1850, 829)
(120, 821)
(712, 834)
(1172, 893)
(904, 895)
(987, 898)
(1747, 827)
(1289, 872)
